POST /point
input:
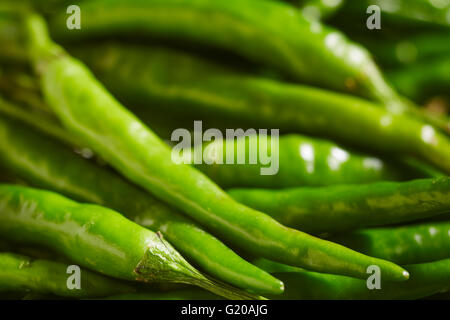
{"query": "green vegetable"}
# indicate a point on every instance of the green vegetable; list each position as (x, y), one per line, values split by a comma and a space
(21, 274)
(426, 279)
(96, 238)
(335, 208)
(79, 100)
(183, 83)
(417, 243)
(301, 161)
(45, 163)
(267, 32)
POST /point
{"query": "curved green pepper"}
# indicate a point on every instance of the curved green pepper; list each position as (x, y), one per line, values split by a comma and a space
(426, 279)
(417, 243)
(79, 100)
(96, 238)
(301, 161)
(336, 208)
(268, 32)
(181, 83)
(19, 273)
(44, 163)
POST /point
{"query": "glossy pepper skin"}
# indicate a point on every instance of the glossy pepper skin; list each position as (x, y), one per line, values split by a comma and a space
(20, 273)
(337, 208)
(305, 161)
(302, 161)
(426, 279)
(268, 32)
(181, 82)
(137, 153)
(45, 163)
(416, 243)
(97, 238)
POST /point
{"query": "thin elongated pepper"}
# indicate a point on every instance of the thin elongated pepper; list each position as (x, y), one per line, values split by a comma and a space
(300, 160)
(45, 163)
(303, 161)
(182, 82)
(336, 208)
(416, 243)
(426, 279)
(96, 238)
(269, 32)
(135, 151)
(19, 273)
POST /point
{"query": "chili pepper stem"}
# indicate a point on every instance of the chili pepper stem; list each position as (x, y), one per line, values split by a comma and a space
(175, 271)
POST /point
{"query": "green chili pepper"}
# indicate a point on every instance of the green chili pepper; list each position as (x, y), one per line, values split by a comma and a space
(79, 100)
(21, 274)
(46, 164)
(183, 82)
(300, 160)
(417, 243)
(268, 32)
(97, 238)
(426, 279)
(295, 168)
(335, 208)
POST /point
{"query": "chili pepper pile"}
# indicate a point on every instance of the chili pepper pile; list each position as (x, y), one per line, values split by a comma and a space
(358, 207)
